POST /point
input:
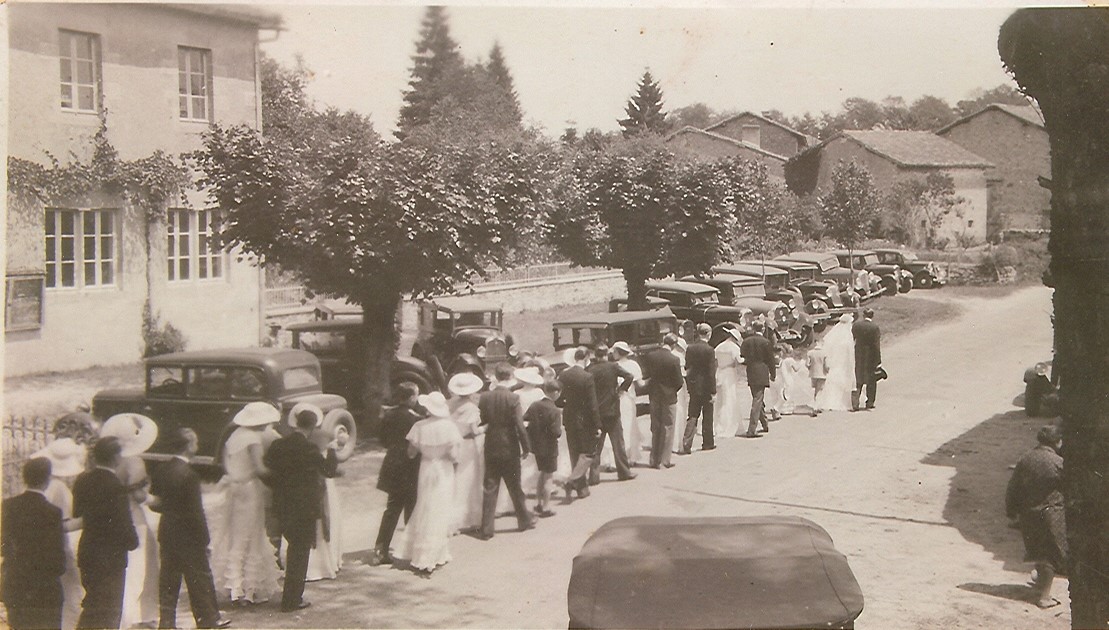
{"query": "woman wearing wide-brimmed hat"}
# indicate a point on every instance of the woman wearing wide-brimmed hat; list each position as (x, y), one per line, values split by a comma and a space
(67, 460)
(728, 371)
(136, 434)
(243, 562)
(464, 388)
(326, 558)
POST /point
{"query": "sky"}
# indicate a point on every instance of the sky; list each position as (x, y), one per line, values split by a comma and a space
(578, 66)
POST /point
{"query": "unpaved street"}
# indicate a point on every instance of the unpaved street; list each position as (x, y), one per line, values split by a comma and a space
(912, 493)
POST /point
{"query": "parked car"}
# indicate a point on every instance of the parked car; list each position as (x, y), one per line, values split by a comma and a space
(462, 334)
(926, 273)
(642, 330)
(749, 292)
(1041, 387)
(866, 285)
(698, 303)
(203, 390)
(894, 279)
(804, 276)
(620, 305)
(340, 348)
(747, 572)
(786, 285)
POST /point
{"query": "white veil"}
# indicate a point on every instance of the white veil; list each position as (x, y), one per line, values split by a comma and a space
(839, 348)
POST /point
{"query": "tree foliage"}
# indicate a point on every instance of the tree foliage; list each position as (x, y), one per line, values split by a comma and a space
(644, 109)
(768, 220)
(850, 207)
(914, 210)
(437, 56)
(498, 70)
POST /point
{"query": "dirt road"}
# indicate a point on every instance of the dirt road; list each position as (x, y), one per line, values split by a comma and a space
(912, 493)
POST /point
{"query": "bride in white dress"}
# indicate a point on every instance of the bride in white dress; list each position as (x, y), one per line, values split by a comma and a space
(839, 348)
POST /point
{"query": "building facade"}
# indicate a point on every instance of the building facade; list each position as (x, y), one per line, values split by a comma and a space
(765, 133)
(710, 146)
(81, 267)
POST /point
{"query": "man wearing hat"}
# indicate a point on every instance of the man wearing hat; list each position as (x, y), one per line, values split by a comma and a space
(580, 418)
(868, 358)
(609, 380)
(506, 444)
(399, 474)
(700, 380)
(663, 371)
(183, 536)
(32, 544)
(758, 354)
(297, 469)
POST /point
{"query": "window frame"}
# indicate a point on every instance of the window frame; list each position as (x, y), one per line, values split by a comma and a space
(214, 257)
(72, 60)
(185, 72)
(54, 239)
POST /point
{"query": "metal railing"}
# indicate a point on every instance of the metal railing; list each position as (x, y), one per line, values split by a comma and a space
(21, 438)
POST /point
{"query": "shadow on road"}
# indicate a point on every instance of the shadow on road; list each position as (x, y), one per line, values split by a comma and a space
(1015, 592)
(982, 458)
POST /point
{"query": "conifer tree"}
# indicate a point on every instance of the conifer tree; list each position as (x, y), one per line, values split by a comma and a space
(644, 110)
(503, 78)
(437, 56)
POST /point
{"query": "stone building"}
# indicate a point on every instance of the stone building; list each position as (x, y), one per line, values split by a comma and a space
(710, 146)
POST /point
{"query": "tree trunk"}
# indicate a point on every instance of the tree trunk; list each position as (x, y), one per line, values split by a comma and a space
(1058, 57)
(381, 333)
(637, 289)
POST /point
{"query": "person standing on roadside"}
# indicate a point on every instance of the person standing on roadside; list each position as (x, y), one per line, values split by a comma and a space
(32, 543)
(868, 358)
(580, 417)
(399, 474)
(544, 423)
(1034, 499)
(506, 444)
(700, 381)
(610, 380)
(663, 371)
(758, 354)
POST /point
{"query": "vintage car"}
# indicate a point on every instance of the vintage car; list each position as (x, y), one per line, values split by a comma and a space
(1041, 387)
(749, 292)
(804, 276)
(926, 273)
(620, 305)
(338, 344)
(894, 279)
(642, 330)
(462, 334)
(866, 285)
(204, 389)
(698, 303)
(712, 573)
(786, 286)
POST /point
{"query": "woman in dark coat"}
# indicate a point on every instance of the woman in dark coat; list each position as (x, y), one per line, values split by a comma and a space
(400, 473)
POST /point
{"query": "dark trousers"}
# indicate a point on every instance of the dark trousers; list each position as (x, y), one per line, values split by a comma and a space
(662, 432)
(871, 394)
(758, 410)
(103, 603)
(398, 502)
(40, 607)
(299, 541)
(190, 561)
(497, 469)
(700, 405)
(611, 426)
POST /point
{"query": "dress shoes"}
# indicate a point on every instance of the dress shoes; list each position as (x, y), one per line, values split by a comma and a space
(669, 465)
(529, 525)
(298, 606)
(222, 622)
(708, 448)
(629, 477)
(752, 435)
(483, 536)
(583, 491)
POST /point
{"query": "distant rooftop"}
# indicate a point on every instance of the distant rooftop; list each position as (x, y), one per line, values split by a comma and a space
(1025, 113)
(804, 136)
(722, 138)
(251, 14)
(916, 148)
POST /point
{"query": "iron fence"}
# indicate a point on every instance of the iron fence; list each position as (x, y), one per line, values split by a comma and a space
(21, 438)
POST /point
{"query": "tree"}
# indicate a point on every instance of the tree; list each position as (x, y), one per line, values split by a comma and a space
(762, 226)
(930, 112)
(503, 79)
(644, 109)
(1057, 56)
(914, 210)
(437, 56)
(697, 115)
(1004, 94)
(850, 207)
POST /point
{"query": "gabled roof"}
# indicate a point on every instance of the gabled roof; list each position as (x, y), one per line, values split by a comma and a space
(1024, 113)
(249, 14)
(719, 138)
(804, 136)
(914, 148)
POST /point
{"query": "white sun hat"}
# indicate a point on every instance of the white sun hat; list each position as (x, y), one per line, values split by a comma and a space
(464, 384)
(529, 376)
(67, 457)
(436, 404)
(136, 432)
(256, 414)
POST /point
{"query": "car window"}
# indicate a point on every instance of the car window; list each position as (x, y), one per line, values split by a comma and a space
(750, 290)
(887, 258)
(248, 383)
(585, 336)
(705, 298)
(323, 342)
(166, 381)
(870, 259)
(477, 319)
(209, 382)
(300, 378)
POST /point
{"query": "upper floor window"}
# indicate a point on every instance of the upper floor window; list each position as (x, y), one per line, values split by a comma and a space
(81, 248)
(79, 55)
(193, 249)
(194, 83)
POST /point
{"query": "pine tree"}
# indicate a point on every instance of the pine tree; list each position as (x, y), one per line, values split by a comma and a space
(645, 109)
(499, 71)
(436, 57)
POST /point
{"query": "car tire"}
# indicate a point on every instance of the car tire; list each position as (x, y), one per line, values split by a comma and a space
(889, 285)
(924, 281)
(334, 424)
(906, 285)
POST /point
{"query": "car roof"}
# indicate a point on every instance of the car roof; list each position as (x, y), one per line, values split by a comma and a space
(784, 569)
(809, 257)
(722, 279)
(617, 318)
(459, 304)
(325, 325)
(682, 286)
(749, 267)
(854, 252)
(790, 264)
(273, 357)
(891, 250)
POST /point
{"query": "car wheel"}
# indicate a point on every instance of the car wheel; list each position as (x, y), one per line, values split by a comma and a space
(339, 425)
(889, 285)
(806, 337)
(906, 285)
(924, 281)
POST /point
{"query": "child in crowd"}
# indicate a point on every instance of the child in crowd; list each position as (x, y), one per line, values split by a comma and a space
(817, 363)
(795, 382)
(544, 422)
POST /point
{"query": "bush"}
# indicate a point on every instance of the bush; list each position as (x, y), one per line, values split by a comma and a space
(158, 338)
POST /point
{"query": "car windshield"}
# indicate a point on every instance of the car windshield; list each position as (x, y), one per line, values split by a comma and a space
(165, 381)
(704, 298)
(487, 318)
(300, 378)
(569, 336)
(749, 290)
(323, 342)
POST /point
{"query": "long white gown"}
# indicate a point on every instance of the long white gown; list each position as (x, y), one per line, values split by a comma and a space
(681, 408)
(140, 589)
(727, 416)
(839, 349)
(468, 472)
(529, 470)
(326, 559)
(796, 387)
(427, 535)
(633, 433)
(59, 495)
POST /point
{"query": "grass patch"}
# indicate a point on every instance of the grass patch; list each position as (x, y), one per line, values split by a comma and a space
(905, 314)
(988, 291)
(532, 331)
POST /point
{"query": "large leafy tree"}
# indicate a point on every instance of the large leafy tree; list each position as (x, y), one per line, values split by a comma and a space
(1005, 94)
(913, 210)
(850, 207)
(761, 227)
(1058, 56)
(644, 109)
(437, 56)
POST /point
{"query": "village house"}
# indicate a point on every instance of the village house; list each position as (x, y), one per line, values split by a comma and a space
(895, 156)
(710, 146)
(80, 269)
(765, 133)
(1013, 138)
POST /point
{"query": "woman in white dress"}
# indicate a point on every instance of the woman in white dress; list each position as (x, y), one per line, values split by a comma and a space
(530, 391)
(136, 434)
(728, 367)
(67, 460)
(243, 559)
(681, 407)
(839, 350)
(633, 434)
(796, 388)
(437, 440)
(326, 558)
(468, 473)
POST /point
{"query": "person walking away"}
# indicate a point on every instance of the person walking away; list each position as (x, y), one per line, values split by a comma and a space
(728, 365)
(297, 467)
(100, 500)
(663, 372)
(758, 354)
(506, 443)
(544, 425)
(700, 383)
(817, 363)
(530, 391)
(868, 358)
(67, 460)
(1034, 499)
(436, 440)
(183, 536)
(32, 545)
(682, 404)
(609, 381)
(633, 438)
(464, 386)
(580, 417)
(399, 474)
(326, 558)
(839, 350)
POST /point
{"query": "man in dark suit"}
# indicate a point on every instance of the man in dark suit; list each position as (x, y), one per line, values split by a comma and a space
(31, 543)
(183, 537)
(700, 379)
(580, 419)
(609, 380)
(100, 498)
(663, 371)
(506, 443)
(758, 353)
(868, 358)
(399, 474)
(297, 469)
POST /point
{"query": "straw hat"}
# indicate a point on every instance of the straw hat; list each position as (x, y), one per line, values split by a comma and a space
(435, 404)
(256, 414)
(622, 346)
(67, 458)
(529, 376)
(735, 333)
(464, 384)
(305, 406)
(136, 433)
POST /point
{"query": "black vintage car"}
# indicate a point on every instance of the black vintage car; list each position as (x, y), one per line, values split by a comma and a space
(926, 273)
(642, 330)
(894, 279)
(462, 334)
(698, 303)
(789, 285)
(794, 324)
(805, 277)
(865, 285)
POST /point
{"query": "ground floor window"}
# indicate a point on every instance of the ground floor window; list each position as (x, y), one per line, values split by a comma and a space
(81, 247)
(193, 248)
